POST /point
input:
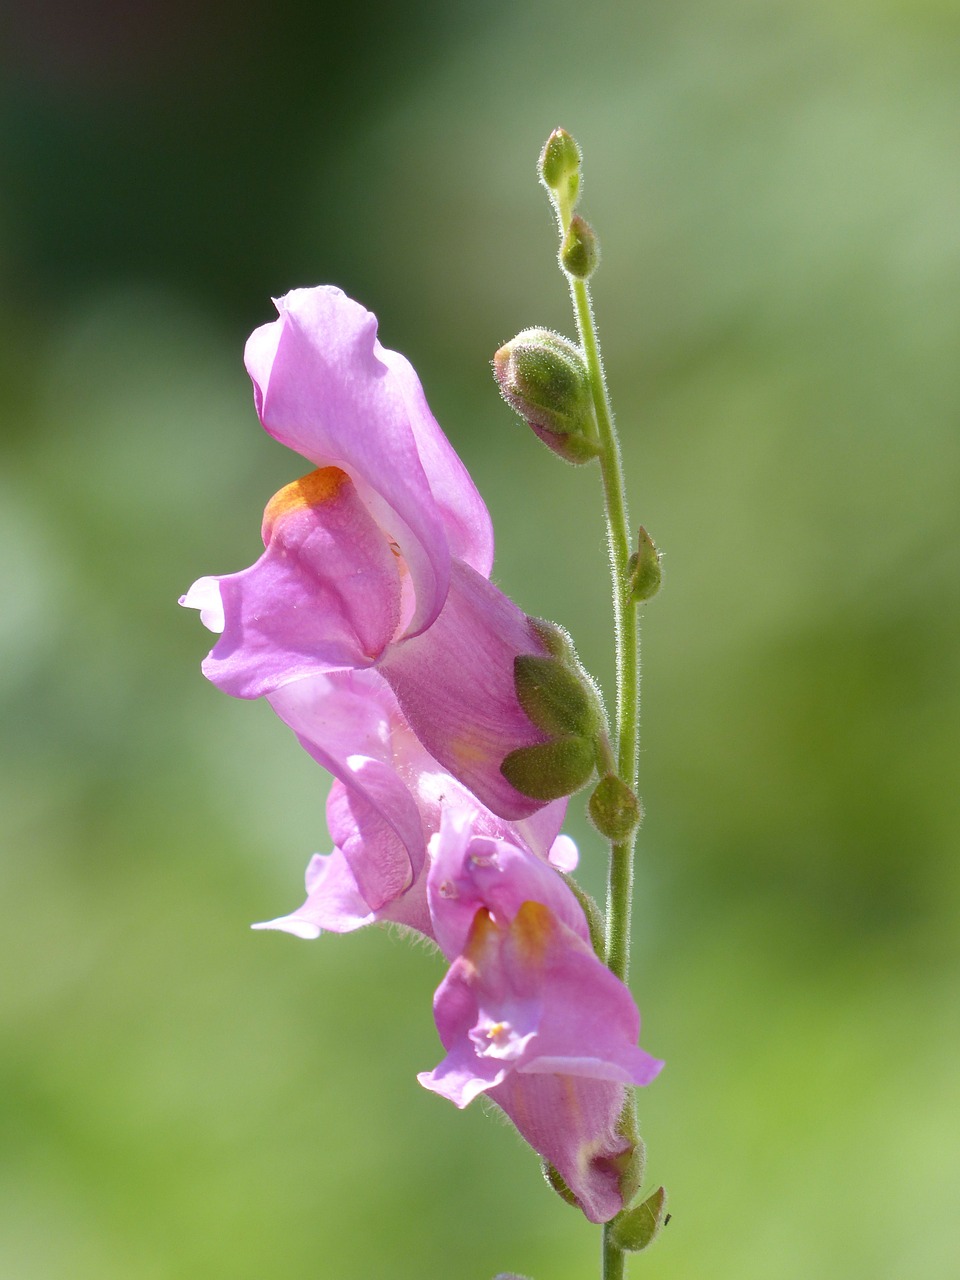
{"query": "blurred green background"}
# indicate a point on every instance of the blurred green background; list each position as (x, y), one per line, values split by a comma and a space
(776, 190)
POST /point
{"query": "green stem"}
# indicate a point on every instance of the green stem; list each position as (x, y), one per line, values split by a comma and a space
(620, 887)
(626, 630)
(613, 1257)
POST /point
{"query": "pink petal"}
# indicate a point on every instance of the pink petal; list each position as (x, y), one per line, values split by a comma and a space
(537, 986)
(455, 684)
(324, 386)
(334, 904)
(348, 722)
(572, 1122)
(469, 872)
(324, 594)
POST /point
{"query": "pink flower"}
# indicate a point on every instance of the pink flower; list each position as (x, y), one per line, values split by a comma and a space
(388, 801)
(529, 1015)
(380, 558)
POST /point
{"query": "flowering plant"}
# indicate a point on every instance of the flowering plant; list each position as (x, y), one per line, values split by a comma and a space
(454, 725)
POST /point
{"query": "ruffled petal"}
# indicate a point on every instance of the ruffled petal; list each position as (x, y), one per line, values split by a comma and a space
(323, 385)
(325, 594)
(335, 904)
(348, 722)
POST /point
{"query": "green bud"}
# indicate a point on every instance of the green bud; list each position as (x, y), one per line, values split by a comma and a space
(560, 165)
(614, 810)
(637, 1228)
(551, 769)
(580, 251)
(643, 569)
(544, 378)
(555, 697)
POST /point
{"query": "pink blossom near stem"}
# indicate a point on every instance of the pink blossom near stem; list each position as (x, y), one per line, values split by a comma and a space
(379, 558)
(473, 869)
(529, 1015)
(389, 800)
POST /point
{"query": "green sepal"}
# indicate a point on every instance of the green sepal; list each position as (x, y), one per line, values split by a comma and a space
(555, 697)
(554, 638)
(574, 449)
(634, 1159)
(580, 251)
(638, 1227)
(614, 809)
(555, 1180)
(551, 769)
(643, 569)
(595, 921)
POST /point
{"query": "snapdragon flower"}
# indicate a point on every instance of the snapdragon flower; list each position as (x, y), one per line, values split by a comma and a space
(380, 558)
(529, 1015)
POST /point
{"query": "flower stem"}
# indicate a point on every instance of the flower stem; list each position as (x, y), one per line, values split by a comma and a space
(613, 1256)
(620, 886)
(626, 631)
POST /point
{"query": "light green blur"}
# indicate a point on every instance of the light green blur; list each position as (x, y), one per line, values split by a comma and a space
(775, 187)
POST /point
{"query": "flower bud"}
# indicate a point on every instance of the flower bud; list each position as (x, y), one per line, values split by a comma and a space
(614, 810)
(551, 769)
(544, 378)
(580, 251)
(643, 569)
(560, 166)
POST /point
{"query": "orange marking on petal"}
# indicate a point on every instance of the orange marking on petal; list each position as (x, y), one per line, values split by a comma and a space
(532, 930)
(481, 939)
(311, 490)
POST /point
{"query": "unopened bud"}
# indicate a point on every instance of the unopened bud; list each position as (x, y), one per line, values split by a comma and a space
(551, 769)
(544, 378)
(643, 569)
(560, 166)
(580, 251)
(614, 810)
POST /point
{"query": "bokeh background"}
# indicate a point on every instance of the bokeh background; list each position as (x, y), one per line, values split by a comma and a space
(776, 190)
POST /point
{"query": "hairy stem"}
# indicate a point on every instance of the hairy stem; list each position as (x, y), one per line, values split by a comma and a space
(613, 1257)
(620, 886)
(626, 631)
